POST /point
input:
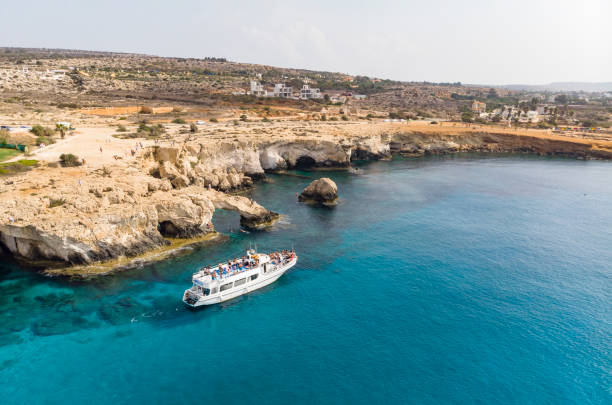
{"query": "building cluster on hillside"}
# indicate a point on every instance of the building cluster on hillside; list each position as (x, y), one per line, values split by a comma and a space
(284, 91)
(305, 93)
(9, 75)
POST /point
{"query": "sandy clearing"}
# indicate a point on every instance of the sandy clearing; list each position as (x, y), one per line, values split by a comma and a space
(95, 145)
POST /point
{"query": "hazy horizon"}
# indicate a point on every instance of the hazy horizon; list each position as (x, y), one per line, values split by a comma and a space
(477, 42)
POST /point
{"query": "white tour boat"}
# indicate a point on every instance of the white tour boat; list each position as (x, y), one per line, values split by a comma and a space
(225, 281)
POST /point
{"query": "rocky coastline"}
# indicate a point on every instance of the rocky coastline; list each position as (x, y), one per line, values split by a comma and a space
(73, 216)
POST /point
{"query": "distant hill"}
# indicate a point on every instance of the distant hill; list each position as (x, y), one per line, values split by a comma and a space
(562, 86)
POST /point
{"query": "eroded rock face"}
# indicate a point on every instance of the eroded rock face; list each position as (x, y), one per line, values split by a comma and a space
(74, 217)
(228, 166)
(322, 190)
(56, 218)
(183, 214)
(252, 215)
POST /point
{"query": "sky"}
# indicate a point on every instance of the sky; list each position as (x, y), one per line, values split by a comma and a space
(471, 41)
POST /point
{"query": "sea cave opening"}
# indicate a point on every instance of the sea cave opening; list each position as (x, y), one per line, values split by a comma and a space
(305, 162)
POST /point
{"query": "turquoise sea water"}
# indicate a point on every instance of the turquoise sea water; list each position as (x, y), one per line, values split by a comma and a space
(463, 279)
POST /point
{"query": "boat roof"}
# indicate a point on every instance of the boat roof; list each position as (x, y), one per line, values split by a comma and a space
(203, 280)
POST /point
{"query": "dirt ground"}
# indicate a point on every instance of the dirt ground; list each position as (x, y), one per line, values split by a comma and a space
(97, 146)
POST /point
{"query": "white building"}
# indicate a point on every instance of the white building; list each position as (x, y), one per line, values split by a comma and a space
(257, 89)
(532, 116)
(280, 90)
(529, 116)
(307, 93)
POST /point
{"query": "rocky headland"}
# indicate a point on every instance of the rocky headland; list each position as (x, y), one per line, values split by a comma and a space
(83, 215)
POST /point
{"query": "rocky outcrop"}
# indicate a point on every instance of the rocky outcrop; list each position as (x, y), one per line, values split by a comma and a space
(252, 215)
(416, 143)
(228, 166)
(304, 154)
(322, 190)
(186, 165)
(51, 217)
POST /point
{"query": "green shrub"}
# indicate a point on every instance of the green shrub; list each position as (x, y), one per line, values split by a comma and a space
(153, 130)
(69, 160)
(121, 128)
(214, 120)
(39, 130)
(47, 140)
(56, 202)
(542, 125)
(344, 118)
(243, 117)
(193, 128)
(178, 121)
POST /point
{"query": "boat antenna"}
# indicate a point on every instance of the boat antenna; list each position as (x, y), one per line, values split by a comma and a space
(292, 249)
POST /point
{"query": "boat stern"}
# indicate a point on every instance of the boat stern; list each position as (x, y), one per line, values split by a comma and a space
(189, 299)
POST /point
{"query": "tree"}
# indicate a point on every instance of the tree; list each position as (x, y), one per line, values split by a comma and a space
(492, 93)
(561, 99)
(326, 98)
(467, 116)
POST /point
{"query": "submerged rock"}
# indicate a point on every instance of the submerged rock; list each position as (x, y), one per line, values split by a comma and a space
(323, 190)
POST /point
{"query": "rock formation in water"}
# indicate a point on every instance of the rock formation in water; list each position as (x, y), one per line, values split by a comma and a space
(322, 190)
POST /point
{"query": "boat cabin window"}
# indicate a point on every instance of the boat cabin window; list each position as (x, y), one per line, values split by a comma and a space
(226, 286)
(205, 291)
(213, 291)
(239, 282)
(254, 276)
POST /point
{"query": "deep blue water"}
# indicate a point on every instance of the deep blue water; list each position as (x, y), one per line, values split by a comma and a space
(461, 279)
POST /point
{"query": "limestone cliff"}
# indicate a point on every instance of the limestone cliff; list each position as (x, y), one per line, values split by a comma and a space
(71, 217)
(77, 215)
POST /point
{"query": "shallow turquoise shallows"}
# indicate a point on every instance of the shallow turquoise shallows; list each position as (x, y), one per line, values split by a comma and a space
(453, 280)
